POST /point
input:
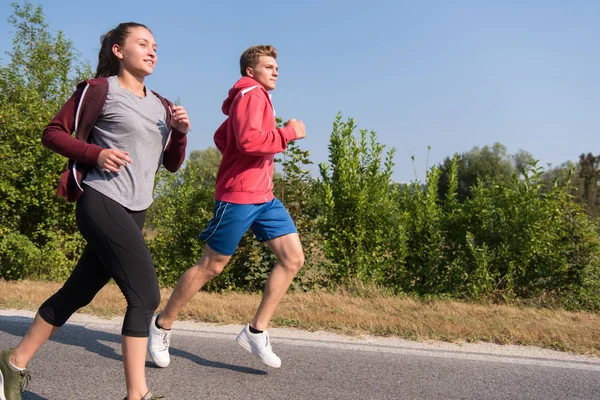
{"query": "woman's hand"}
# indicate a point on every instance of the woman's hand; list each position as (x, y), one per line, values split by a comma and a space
(180, 120)
(112, 159)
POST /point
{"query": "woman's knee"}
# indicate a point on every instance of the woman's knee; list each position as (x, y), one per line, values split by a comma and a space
(144, 294)
(152, 300)
(59, 308)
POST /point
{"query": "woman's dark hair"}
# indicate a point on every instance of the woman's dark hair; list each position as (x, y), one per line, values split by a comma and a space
(108, 63)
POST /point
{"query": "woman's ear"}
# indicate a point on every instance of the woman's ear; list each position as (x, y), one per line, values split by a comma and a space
(116, 49)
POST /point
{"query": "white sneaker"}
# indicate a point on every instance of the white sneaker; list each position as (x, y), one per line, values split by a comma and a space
(158, 344)
(259, 345)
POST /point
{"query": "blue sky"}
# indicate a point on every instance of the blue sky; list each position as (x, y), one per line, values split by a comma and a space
(450, 74)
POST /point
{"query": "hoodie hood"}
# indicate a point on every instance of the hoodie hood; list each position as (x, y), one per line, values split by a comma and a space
(244, 84)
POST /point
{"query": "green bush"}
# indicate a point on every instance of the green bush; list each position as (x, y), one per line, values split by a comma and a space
(181, 210)
(18, 256)
(358, 205)
(299, 192)
(58, 257)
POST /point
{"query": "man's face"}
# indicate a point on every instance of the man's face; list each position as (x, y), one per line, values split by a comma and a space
(265, 72)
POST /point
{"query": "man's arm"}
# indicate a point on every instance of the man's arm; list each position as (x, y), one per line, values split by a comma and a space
(220, 137)
(252, 139)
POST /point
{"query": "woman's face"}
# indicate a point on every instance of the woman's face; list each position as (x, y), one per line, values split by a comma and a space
(138, 54)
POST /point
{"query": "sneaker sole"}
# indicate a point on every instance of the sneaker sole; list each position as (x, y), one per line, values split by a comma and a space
(2, 397)
(158, 363)
(246, 346)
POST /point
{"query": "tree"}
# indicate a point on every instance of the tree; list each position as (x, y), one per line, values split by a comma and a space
(37, 80)
(559, 175)
(476, 164)
(206, 164)
(522, 161)
(589, 176)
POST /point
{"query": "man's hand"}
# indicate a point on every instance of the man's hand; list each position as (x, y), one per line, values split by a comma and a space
(298, 127)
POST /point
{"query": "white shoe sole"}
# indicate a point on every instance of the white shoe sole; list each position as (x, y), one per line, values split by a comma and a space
(2, 387)
(246, 346)
(158, 363)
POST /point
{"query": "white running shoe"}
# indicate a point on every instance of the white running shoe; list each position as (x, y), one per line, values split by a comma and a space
(158, 344)
(259, 345)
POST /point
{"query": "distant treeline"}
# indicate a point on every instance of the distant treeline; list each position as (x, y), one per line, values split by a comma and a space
(483, 225)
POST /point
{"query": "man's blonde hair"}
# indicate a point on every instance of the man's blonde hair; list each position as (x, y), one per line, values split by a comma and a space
(250, 57)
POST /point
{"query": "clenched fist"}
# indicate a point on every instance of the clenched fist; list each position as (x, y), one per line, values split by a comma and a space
(298, 127)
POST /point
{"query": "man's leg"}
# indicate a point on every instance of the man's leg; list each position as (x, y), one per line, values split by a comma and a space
(290, 259)
(254, 337)
(210, 265)
(222, 235)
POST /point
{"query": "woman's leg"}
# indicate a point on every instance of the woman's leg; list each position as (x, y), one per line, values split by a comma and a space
(37, 334)
(134, 364)
(115, 235)
(85, 281)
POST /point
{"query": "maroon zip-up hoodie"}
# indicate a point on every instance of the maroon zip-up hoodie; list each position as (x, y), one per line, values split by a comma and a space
(79, 115)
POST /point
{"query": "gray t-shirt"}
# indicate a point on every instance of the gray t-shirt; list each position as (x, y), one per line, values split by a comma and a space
(137, 125)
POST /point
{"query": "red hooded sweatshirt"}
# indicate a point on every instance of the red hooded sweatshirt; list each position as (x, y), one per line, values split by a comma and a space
(248, 141)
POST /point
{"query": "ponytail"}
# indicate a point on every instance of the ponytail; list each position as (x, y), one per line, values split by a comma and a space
(108, 63)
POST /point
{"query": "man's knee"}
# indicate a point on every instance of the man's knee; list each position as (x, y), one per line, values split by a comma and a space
(294, 262)
(211, 270)
(210, 265)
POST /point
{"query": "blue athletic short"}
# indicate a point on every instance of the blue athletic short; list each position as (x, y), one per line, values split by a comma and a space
(231, 221)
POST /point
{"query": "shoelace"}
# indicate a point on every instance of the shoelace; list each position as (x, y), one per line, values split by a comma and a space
(25, 378)
(166, 341)
(267, 342)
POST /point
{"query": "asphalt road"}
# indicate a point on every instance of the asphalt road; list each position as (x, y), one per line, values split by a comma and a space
(83, 361)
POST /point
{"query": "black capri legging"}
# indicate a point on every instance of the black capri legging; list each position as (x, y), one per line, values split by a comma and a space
(115, 249)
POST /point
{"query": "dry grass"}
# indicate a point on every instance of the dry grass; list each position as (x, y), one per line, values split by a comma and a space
(375, 314)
